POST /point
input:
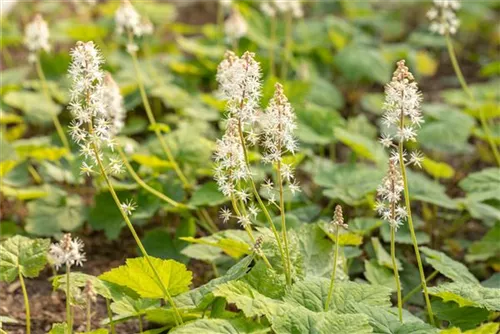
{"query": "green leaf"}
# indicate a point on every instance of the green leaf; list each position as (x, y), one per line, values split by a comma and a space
(151, 161)
(222, 326)
(266, 281)
(314, 251)
(298, 320)
(247, 299)
(59, 328)
(487, 247)
(137, 275)
(348, 183)
(231, 247)
(438, 170)
(448, 267)
(482, 185)
(426, 190)
(359, 62)
(379, 275)
(313, 292)
(316, 124)
(383, 257)
(37, 108)
(467, 294)
(463, 317)
(55, 213)
(24, 255)
(208, 195)
(79, 280)
(363, 146)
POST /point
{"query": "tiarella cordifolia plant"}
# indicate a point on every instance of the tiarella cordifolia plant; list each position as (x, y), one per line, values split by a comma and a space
(403, 116)
(335, 225)
(114, 110)
(36, 37)
(91, 128)
(445, 22)
(389, 193)
(443, 18)
(68, 252)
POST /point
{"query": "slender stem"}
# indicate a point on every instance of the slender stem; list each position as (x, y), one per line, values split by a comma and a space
(220, 18)
(272, 46)
(283, 223)
(334, 272)
(26, 302)
(89, 314)
(412, 233)
(46, 91)
(396, 273)
(110, 317)
(178, 318)
(141, 329)
(68, 300)
(248, 229)
(261, 203)
(209, 219)
(203, 223)
(143, 184)
(288, 44)
(467, 91)
(152, 120)
(417, 288)
(36, 177)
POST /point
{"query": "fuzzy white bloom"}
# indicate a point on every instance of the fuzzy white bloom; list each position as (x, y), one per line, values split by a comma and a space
(389, 194)
(278, 127)
(36, 36)
(147, 27)
(67, 252)
(235, 27)
(244, 221)
(402, 113)
(128, 206)
(226, 3)
(443, 17)
(127, 19)
(115, 110)
(225, 214)
(267, 8)
(240, 83)
(91, 128)
(293, 6)
(338, 219)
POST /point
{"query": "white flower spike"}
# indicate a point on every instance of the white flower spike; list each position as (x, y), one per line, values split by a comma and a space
(67, 252)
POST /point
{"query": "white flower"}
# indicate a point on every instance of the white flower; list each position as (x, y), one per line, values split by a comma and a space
(416, 158)
(294, 187)
(443, 17)
(225, 214)
(267, 8)
(278, 126)
(67, 252)
(128, 20)
(386, 140)
(36, 36)
(254, 211)
(86, 169)
(235, 26)
(293, 6)
(389, 195)
(128, 207)
(226, 3)
(244, 221)
(242, 195)
(268, 186)
(147, 27)
(115, 165)
(114, 108)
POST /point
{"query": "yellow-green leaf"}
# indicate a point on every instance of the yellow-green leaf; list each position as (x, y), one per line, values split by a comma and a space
(439, 170)
(51, 153)
(162, 127)
(23, 194)
(6, 166)
(231, 247)
(137, 275)
(426, 64)
(9, 118)
(151, 161)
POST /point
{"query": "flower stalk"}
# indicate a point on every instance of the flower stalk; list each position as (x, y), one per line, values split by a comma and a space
(335, 225)
(396, 273)
(26, 302)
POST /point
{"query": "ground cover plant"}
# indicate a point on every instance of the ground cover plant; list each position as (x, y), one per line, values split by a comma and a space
(250, 167)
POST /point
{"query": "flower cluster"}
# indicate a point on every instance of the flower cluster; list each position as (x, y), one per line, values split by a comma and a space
(389, 196)
(128, 21)
(89, 291)
(67, 252)
(443, 17)
(91, 127)
(402, 101)
(36, 36)
(338, 219)
(235, 27)
(267, 8)
(293, 6)
(114, 108)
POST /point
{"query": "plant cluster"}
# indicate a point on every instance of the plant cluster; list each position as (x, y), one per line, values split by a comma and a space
(234, 149)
